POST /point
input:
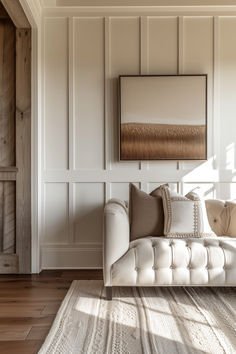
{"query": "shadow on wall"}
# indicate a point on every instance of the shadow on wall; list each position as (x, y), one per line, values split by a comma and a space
(224, 186)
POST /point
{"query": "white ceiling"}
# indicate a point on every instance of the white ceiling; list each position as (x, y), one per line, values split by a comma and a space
(59, 3)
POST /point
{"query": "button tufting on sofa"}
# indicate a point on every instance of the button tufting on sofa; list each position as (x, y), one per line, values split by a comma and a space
(179, 267)
(161, 261)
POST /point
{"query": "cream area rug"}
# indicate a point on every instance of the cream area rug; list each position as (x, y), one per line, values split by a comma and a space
(144, 320)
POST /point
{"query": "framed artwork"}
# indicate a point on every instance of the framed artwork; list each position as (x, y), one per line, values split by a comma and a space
(163, 117)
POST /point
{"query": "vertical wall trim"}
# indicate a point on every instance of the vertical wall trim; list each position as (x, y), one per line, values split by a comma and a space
(107, 191)
(35, 148)
(107, 122)
(144, 65)
(104, 97)
(144, 44)
(107, 75)
(41, 207)
(178, 187)
(71, 218)
(180, 64)
(71, 129)
(180, 59)
(43, 98)
(216, 93)
(43, 235)
(71, 107)
(141, 164)
(144, 186)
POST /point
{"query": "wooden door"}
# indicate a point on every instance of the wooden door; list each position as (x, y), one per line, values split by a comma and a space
(15, 140)
(8, 259)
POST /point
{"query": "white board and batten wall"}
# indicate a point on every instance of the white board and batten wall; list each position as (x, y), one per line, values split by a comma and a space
(83, 54)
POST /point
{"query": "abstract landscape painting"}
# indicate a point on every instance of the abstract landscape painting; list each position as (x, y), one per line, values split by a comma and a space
(162, 141)
(163, 117)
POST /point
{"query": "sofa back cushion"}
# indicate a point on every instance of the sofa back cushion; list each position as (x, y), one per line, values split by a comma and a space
(146, 213)
(147, 216)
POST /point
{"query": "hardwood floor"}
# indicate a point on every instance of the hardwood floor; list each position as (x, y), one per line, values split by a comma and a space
(28, 305)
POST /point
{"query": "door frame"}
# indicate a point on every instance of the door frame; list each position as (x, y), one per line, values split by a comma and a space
(32, 10)
(27, 14)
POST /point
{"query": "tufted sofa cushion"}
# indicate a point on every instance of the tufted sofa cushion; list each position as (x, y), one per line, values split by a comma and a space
(162, 261)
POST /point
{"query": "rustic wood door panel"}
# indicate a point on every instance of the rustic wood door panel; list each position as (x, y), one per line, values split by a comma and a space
(7, 93)
(7, 217)
(15, 139)
(8, 259)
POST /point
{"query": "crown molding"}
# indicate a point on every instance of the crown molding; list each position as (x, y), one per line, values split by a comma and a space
(124, 3)
(151, 11)
(33, 10)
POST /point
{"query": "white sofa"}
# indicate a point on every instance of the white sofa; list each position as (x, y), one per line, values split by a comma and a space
(161, 261)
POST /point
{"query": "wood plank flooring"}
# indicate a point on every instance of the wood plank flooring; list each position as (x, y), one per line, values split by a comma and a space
(28, 305)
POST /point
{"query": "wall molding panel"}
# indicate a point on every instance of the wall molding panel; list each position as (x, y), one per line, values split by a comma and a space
(75, 257)
(127, 11)
(80, 167)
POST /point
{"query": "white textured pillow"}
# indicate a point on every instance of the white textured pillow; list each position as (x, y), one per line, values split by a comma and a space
(185, 216)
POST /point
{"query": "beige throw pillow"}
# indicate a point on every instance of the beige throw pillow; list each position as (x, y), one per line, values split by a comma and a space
(218, 216)
(185, 216)
(230, 207)
(222, 217)
(146, 213)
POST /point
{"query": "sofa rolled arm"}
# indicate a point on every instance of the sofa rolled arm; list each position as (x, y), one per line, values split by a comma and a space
(116, 235)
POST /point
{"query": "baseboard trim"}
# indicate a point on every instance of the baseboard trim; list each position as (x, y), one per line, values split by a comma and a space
(71, 268)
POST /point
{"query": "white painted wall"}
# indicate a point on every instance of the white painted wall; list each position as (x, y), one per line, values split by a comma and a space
(84, 51)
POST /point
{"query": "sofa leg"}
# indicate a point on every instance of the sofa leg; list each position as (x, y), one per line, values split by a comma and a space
(109, 293)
